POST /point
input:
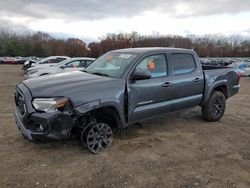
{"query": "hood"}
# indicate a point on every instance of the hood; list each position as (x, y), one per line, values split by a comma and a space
(80, 87)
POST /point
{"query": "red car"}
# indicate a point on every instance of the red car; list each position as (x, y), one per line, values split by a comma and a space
(10, 60)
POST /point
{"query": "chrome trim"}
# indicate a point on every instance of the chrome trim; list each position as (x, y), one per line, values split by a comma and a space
(236, 86)
(145, 102)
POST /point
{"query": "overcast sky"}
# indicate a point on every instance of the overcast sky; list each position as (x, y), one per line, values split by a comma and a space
(95, 18)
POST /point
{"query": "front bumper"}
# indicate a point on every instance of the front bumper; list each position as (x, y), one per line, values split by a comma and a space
(40, 127)
(25, 132)
(37, 126)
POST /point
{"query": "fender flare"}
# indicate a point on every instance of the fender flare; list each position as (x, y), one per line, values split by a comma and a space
(216, 84)
(97, 104)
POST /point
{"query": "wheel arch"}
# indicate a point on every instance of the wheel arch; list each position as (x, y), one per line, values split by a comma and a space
(97, 110)
(108, 113)
(218, 86)
(222, 89)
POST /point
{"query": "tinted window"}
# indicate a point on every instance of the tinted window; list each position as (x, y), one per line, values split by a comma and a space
(156, 64)
(57, 60)
(48, 61)
(182, 63)
(53, 60)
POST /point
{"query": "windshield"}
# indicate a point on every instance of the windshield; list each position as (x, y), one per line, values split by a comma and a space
(111, 64)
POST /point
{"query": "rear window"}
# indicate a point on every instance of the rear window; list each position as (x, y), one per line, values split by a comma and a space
(182, 63)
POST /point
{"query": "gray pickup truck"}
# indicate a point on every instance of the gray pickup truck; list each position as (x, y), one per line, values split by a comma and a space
(120, 88)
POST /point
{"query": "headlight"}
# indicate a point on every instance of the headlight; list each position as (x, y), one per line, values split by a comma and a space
(32, 71)
(50, 104)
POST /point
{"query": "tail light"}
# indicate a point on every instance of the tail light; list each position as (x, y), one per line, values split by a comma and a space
(238, 75)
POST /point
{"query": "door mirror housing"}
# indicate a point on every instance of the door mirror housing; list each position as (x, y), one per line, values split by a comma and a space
(62, 67)
(141, 75)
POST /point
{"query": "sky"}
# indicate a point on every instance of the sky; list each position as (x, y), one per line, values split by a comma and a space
(93, 19)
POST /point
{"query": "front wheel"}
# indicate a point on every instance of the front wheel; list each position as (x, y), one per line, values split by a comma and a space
(215, 107)
(98, 137)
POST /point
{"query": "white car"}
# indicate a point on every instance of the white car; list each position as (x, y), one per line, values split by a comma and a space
(72, 64)
(45, 62)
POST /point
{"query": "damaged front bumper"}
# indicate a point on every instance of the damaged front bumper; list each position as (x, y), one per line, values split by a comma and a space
(44, 126)
(40, 126)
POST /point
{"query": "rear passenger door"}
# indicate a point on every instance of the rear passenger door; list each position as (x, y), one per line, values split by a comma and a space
(186, 79)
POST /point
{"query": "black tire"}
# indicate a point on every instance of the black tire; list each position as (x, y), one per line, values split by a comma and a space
(98, 137)
(215, 107)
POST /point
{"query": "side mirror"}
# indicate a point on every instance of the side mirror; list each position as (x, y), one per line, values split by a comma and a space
(141, 75)
(62, 67)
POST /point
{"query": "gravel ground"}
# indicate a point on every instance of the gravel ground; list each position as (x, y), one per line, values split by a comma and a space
(175, 150)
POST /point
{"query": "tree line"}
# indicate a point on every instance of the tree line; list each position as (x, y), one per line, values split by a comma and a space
(41, 44)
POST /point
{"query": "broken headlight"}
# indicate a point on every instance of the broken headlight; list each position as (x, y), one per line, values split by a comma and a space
(51, 104)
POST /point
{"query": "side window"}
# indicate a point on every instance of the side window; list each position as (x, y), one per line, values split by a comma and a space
(182, 63)
(88, 62)
(58, 60)
(73, 64)
(48, 61)
(52, 61)
(156, 64)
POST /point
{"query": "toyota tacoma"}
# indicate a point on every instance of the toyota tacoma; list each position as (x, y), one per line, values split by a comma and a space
(120, 88)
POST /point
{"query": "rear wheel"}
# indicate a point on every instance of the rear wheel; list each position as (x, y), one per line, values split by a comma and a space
(98, 137)
(215, 107)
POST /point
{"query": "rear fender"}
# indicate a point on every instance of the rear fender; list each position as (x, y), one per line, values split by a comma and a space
(210, 88)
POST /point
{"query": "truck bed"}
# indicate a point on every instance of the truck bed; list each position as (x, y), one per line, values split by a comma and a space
(209, 67)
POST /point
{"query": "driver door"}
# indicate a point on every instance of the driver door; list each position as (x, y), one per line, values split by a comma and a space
(149, 97)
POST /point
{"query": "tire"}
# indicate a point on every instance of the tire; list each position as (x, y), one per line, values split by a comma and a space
(98, 137)
(215, 107)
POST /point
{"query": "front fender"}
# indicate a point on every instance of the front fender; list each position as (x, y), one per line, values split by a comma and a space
(97, 104)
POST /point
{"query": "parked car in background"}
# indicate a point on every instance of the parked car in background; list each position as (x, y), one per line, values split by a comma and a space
(120, 88)
(79, 63)
(21, 60)
(45, 62)
(1, 60)
(247, 69)
(10, 60)
(243, 68)
(31, 60)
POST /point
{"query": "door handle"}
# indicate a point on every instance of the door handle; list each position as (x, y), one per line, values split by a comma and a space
(196, 80)
(166, 84)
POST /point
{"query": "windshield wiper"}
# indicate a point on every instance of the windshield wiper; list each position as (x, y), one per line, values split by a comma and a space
(100, 74)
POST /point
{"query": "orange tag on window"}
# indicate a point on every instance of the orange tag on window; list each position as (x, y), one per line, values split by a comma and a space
(151, 65)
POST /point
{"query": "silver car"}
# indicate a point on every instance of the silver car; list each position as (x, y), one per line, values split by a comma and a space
(72, 64)
(44, 62)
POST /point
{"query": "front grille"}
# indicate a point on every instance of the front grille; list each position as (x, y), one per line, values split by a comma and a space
(20, 104)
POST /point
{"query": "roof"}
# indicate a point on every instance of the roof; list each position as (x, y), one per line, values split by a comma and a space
(151, 49)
